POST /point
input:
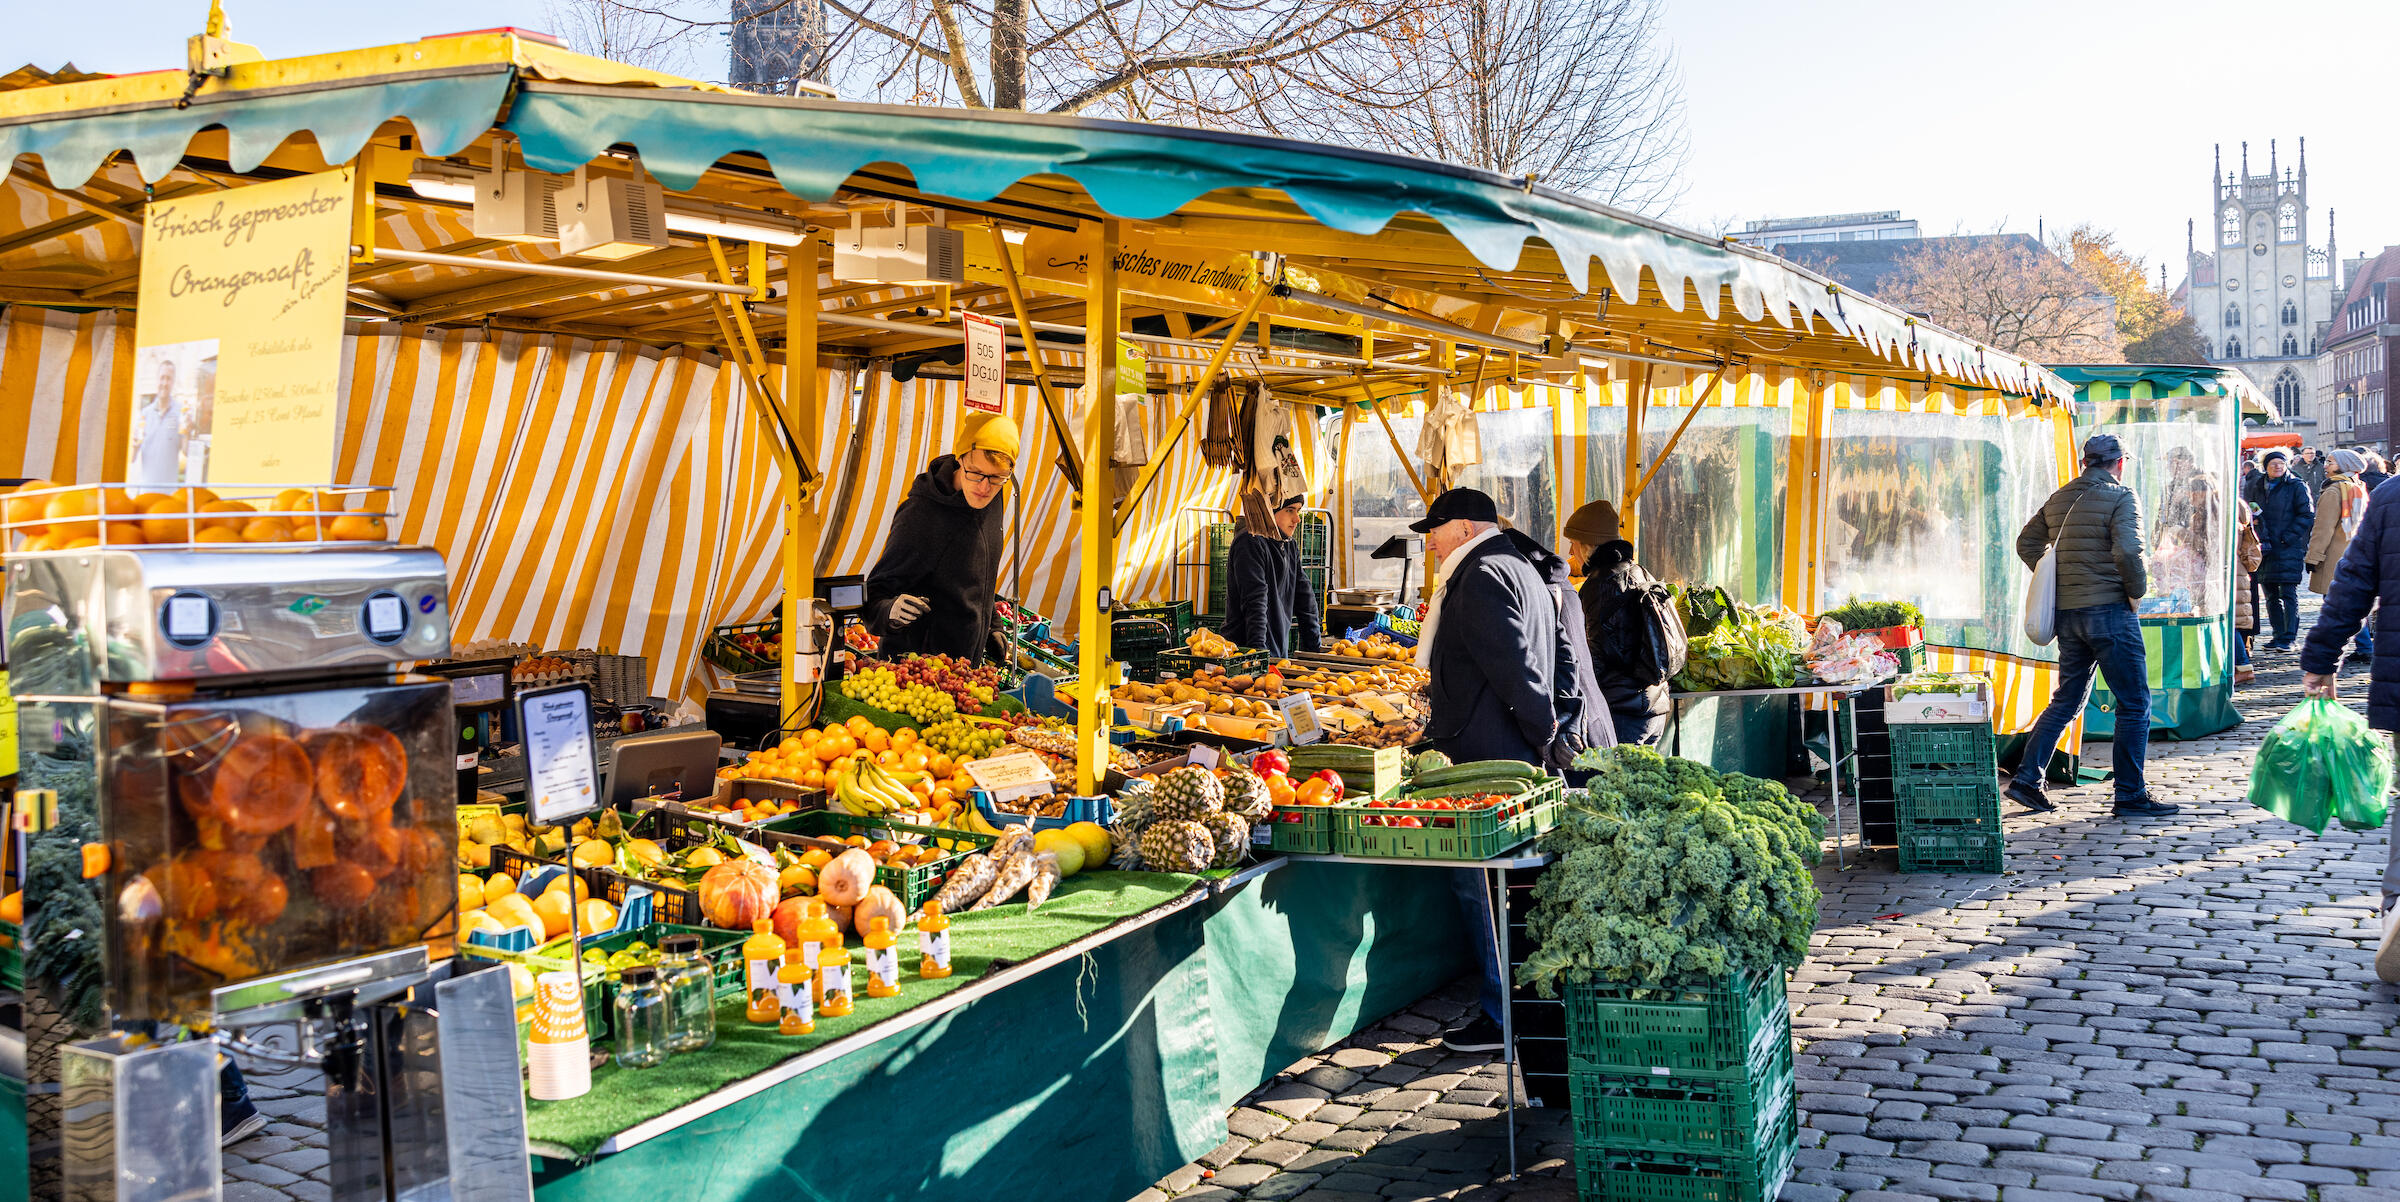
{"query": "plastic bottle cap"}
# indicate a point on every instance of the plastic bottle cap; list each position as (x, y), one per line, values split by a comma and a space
(639, 974)
(680, 945)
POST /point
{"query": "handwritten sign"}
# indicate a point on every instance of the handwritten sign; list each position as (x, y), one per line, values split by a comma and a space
(1009, 777)
(987, 362)
(562, 771)
(239, 349)
(1300, 713)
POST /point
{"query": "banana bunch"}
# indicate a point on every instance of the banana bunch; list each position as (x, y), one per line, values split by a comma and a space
(866, 788)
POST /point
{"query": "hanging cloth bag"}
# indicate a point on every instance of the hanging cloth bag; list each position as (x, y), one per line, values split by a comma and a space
(2041, 593)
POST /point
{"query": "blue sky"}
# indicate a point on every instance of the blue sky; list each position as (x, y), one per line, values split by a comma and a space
(1960, 115)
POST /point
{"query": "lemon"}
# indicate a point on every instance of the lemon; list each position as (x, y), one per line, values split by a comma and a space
(499, 886)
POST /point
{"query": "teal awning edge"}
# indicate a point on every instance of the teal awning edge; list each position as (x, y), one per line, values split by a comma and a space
(1146, 171)
(2103, 381)
(448, 109)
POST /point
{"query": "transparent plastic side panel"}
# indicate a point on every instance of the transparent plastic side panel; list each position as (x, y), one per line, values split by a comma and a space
(1926, 508)
(2179, 460)
(257, 835)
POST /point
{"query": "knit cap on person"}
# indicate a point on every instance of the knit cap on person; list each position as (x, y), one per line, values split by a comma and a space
(994, 433)
(1594, 524)
(2349, 461)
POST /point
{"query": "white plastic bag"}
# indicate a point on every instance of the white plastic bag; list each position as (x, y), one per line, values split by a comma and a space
(2041, 599)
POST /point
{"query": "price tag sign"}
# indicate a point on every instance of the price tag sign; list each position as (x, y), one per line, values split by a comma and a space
(987, 362)
(562, 769)
(1300, 713)
(1204, 755)
(1009, 777)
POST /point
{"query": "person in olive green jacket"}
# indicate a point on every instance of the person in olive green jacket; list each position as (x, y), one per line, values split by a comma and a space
(2096, 523)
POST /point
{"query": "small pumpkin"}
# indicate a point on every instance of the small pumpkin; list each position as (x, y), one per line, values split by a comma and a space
(878, 903)
(845, 881)
(737, 894)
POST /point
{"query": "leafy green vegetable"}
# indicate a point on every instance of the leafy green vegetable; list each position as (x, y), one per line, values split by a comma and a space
(1855, 614)
(1733, 646)
(63, 932)
(1938, 682)
(1669, 872)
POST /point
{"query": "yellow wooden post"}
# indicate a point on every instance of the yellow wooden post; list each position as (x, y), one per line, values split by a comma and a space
(1637, 404)
(1101, 315)
(804, 400)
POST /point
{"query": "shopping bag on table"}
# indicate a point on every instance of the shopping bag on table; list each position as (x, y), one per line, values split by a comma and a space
(2323, 762)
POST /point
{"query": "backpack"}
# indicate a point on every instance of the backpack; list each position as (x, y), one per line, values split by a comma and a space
(1645, 633)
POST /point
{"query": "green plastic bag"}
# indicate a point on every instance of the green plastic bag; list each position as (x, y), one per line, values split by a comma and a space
(2323, 762)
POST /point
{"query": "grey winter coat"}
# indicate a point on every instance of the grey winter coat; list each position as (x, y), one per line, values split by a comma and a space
(2099, 546)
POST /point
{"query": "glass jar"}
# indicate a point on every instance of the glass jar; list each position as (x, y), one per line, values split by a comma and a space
(691, 985)
(641, 1018)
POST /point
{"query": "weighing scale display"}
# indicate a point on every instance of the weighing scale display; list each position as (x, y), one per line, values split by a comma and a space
(847, 596)
(386, 617)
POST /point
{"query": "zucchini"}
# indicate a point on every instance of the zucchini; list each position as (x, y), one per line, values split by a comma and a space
(1504, 787)
(1480, 772)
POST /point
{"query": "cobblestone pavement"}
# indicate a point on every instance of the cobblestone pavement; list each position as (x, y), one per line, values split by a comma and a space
(288, 1159)
(2164, 1011)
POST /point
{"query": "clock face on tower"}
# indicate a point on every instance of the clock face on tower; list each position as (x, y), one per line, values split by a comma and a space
(2288, 281)
(2259, 249)
(2233, 283)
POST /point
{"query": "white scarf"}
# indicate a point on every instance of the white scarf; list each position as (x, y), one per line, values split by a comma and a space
(1431, 625)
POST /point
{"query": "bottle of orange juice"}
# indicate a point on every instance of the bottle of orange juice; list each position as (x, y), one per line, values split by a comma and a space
(815, 933)
(795, 995)
(833, 979)
(761, 953)
(933, 941)
(883, 960)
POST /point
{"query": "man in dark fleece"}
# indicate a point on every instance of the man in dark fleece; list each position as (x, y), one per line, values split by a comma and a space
(931, 591)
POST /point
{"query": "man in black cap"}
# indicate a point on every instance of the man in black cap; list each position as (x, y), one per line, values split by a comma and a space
(2097, 523)
(2286, 517)
(1489, 638)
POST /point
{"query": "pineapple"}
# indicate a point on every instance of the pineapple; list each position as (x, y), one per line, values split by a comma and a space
(1233, 838)
(1177, 845)
(1246, 797)
(1189, 793)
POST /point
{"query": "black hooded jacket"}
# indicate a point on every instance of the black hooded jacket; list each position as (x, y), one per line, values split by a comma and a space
(1607, 576)
(1582, 708)
(946, 551)
(1265, 591)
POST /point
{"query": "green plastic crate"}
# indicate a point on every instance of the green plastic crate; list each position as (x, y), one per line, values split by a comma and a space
(1474, 836)
(1643, 1175)
(1315, 534)
(1713, 1031)
(1366, 772)
(1701, 1118)
(1951, 849)
(1176, 614)
(1955, 803)
(1960, 748)
(1307, 830)
(1220, 554)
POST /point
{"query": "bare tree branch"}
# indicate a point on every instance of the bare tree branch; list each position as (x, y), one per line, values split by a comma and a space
(2012, 293)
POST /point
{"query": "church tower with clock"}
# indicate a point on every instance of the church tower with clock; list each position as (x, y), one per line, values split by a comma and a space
(2262, 296)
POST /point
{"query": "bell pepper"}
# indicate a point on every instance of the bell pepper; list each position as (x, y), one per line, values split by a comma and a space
(1280, 791)
(1333, 783)
(1270, 762)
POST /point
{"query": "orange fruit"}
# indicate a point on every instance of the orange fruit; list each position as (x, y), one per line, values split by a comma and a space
(267, 530)
(41, 542)
(816, 857)
(166, 530)
(62, 510)
(78, 544)
(551, 908)
(27, 513)
(598, 916)
(216, 534)
(231, 525)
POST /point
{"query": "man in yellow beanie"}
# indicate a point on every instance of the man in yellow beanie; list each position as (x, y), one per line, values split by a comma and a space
(930, 592)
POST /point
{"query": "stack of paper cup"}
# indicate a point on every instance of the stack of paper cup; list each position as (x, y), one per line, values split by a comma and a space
(558, 1051)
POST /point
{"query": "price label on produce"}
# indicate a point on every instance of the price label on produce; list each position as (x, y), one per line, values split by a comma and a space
(1300, 713)
(987, 362)
(1009, 777)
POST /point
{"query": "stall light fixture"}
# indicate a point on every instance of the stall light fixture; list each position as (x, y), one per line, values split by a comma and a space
(434, 179)
(900, 255)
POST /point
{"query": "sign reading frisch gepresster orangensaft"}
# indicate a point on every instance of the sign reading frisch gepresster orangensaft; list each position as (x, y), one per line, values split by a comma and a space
(238, 342)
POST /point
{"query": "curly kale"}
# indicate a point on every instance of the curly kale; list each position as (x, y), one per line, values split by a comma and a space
(63, 919)
(1669, 872)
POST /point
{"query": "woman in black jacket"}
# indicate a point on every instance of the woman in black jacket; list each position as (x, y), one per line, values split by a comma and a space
(2287, 515)
(1265, 590)
(1636, 704)
(930, 592)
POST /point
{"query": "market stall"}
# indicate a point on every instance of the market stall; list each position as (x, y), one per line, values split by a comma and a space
(702, 418)
(2179, 426)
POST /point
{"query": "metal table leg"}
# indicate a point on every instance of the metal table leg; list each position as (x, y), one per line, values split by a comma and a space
(1833, 777)
(1508, 1013)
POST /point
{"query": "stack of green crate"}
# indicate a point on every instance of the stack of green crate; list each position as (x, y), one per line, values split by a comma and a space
(1220, 552)
(1682, 1093)
(1946, 789)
